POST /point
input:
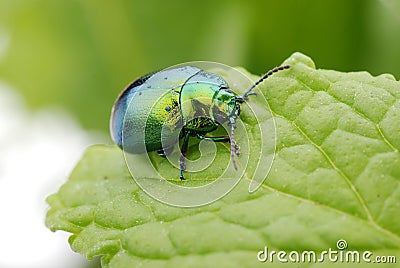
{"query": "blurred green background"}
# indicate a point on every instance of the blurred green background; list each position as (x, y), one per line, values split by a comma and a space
(81, 54)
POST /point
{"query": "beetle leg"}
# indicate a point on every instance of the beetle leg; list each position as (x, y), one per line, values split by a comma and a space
(234, 147)
(162, 153)
(166, 151)
(237, 149)
(184, 152)
(224, 138)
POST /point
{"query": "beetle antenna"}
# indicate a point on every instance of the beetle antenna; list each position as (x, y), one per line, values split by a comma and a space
(265, 76)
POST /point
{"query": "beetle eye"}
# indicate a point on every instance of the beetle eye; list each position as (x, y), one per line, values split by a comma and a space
(168, 108)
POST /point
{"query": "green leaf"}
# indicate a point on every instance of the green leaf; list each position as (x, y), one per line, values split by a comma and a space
(336, 175)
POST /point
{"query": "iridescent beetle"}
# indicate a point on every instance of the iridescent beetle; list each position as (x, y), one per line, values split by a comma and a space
(148, 114)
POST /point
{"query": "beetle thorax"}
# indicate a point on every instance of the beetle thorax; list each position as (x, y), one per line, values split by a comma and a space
(204, 107)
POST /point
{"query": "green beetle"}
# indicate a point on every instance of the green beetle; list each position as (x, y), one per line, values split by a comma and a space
(157, 110)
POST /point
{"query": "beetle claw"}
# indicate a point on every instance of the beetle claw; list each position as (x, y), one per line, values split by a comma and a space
(181, 175)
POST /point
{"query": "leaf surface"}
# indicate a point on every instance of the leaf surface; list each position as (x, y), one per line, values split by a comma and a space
(336, 175)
